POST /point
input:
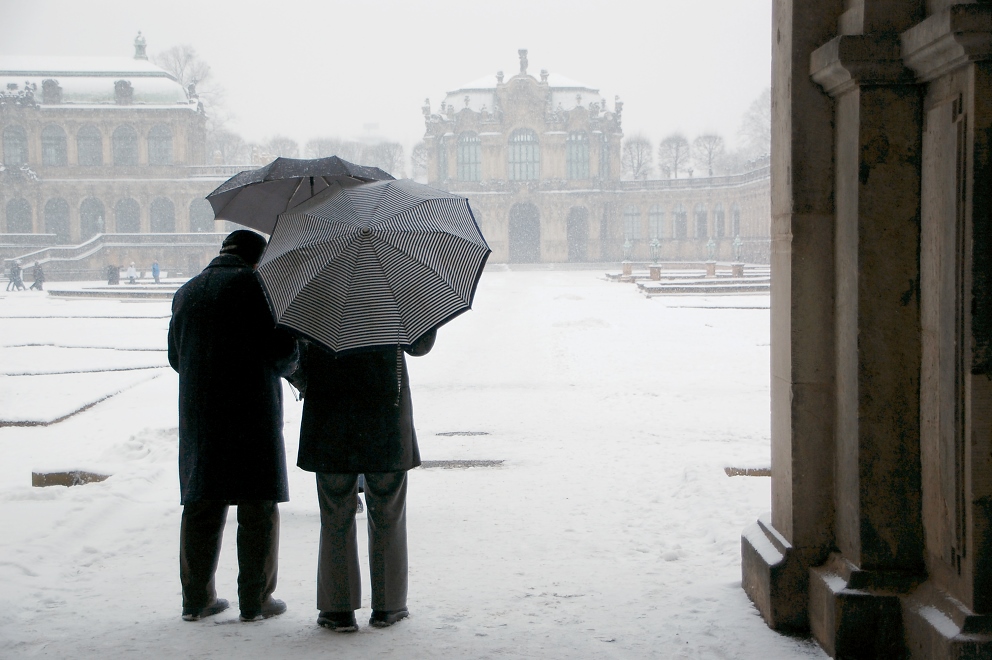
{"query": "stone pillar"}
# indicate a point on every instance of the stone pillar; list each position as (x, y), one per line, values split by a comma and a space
(737, 270)
(710, 269)
(779, 548)
(654, 271)
(878, 524)
(951, 615)
(627, 269)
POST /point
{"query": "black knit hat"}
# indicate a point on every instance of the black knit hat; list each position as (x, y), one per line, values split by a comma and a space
(245, 244)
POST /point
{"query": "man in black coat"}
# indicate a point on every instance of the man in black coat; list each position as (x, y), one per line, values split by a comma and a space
(230, 357)
(358, 418)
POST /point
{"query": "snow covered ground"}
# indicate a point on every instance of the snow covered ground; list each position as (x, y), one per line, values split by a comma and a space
(609, 531)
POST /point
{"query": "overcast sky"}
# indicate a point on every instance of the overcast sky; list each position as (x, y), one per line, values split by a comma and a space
(329, 68)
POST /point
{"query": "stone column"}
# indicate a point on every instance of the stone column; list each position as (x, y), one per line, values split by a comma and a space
(854, 603)
(778, 550)
(950, 616)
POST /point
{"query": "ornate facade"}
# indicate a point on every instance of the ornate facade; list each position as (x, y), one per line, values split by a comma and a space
(539, 160)
(100, 145)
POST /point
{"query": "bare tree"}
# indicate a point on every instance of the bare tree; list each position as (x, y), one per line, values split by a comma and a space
(756, 126)
(227, 147)
(281, 145)
(707, 150)
(636, 157)
(183, 64)
(419, 161)
(673, 153)
(387, 156)
(322, 147)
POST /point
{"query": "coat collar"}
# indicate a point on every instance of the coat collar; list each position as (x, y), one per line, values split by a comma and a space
(228, 261)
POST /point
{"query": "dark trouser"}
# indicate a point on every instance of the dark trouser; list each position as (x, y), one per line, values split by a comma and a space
(258, 552)
(339, 581)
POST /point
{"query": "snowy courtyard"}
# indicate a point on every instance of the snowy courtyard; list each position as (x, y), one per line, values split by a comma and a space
(601, 525)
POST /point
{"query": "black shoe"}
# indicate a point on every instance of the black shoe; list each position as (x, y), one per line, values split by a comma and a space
(219, 605)
(381, 619)
(338, 621)
(270, 608)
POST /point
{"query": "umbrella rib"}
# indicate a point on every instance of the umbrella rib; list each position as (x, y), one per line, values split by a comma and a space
(420, 261)
(396, 302)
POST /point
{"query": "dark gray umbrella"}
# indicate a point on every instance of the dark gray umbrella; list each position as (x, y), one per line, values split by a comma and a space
(254, 198)
(375, 264)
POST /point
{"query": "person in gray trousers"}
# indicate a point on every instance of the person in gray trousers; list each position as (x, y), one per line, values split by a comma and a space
(358, 419)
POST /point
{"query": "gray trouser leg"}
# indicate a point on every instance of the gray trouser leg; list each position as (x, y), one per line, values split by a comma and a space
(339, 587)
(385, 495)
(339, 580)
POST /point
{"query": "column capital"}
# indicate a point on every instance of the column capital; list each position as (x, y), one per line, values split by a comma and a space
(858, 59)
(947, 40)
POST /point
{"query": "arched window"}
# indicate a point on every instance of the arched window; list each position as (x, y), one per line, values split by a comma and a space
(701, 217)
(57, 219)
(735, 220)
(163, 216)
(656, 220)
(604, 156)
(469, 164)
(442, 160)
(631, 223)
(127, 216)
(125, 146)
(719, 221)
(15, 146)
(53, 150)
(89, 146)
(525, 155)
(680, 222)
(577, 155)
(160, 145)
(19, 219)
(201, 216)
(91, 215)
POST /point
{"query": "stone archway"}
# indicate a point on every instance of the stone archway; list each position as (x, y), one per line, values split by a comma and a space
(525, 234)
(577, 234)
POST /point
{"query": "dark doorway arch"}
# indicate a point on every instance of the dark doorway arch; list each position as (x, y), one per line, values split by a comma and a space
(57, 219)
(577, 234)
(127, 216)
(525, 233)
(19, 220)
(91, 215)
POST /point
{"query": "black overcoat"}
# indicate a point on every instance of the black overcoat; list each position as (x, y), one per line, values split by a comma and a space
(230, 357)
(357, 411)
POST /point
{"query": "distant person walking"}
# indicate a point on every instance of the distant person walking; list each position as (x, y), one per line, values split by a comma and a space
(358, 419)
(230, 357)
(132, 274)
(15, 282)
(39, 277)
(155, 271)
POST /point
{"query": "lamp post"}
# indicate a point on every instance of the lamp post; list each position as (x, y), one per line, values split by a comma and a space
(655, 249)
(628, 248)
(711, 253)
(737, 269)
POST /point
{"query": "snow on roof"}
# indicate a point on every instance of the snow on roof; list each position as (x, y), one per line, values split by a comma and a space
(565, 92)
(19, 65)
(90, 80)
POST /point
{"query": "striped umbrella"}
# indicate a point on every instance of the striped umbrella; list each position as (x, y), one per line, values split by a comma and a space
(375, 264)
(254, 198)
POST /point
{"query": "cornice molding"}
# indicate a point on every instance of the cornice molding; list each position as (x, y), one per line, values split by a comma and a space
(948, 40)
(848, 61)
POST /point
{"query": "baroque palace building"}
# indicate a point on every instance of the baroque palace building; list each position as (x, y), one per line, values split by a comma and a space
(539, 160)
(102, 146)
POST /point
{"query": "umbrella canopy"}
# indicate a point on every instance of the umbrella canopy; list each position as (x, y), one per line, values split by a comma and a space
(375, 264)
(255, 198)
